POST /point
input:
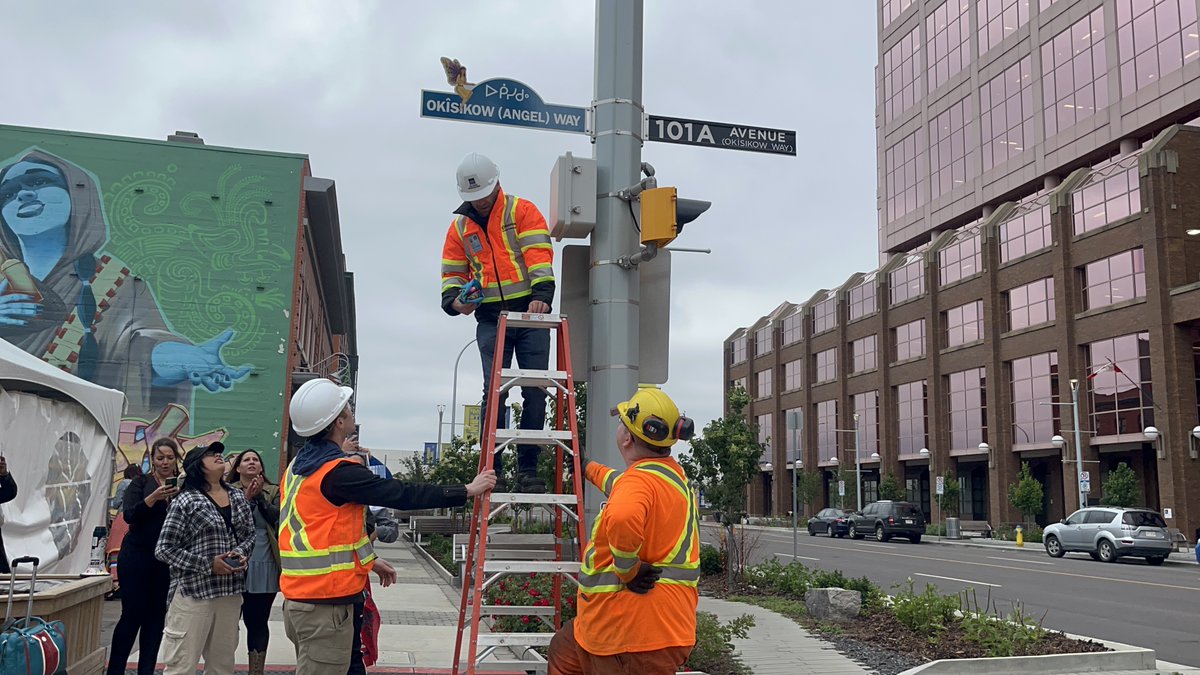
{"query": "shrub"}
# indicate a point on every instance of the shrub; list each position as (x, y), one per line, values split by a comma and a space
(1002, 636)
(935, 529)
(442, 549)
(711, 561)
(926, 613)
(714, 641)
(794, 580)
(534, 590)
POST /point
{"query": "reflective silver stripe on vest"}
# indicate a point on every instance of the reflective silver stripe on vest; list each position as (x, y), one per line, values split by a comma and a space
(316, 562)
(669, 574)
(497, 289)
(291, 488)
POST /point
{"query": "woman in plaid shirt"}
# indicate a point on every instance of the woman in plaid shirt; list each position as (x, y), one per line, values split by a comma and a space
(206, 540)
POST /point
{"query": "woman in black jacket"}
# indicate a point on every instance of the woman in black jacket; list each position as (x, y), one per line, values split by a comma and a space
(144, 580)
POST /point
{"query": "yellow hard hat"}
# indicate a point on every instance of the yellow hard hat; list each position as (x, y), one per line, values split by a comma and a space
(652, 416)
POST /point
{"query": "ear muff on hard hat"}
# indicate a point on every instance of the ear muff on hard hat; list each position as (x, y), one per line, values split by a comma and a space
(653, 417)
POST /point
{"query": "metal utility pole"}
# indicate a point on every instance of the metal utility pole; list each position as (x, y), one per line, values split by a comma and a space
(617, 123)
(454, 391)
(1078, 445)
(857, 465)
(441, 412)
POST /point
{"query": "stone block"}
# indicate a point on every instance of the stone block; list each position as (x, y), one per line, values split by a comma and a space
(833, 604)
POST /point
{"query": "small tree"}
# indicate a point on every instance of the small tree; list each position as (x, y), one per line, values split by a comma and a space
(808, 486)
(890, 488)
(1122, 487)
(951, 498)
(1026, 494)
(458, 465)
(723, 461)
(413, 470)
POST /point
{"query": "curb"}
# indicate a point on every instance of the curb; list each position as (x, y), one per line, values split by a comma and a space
(437, 566)
(1132, 659)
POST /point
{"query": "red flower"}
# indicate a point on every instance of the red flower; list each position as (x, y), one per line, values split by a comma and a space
(533, 575)
(534, 592)
(524, 619)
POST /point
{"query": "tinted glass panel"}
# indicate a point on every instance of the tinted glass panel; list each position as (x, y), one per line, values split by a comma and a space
(1143, 519)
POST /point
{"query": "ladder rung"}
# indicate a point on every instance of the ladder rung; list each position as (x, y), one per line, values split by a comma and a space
(530, 566)
(559, 376)
(525, 498)
(516, 639)
(518, 554)
(516, 320)
(510, 667)
(510, 539)
(533, 436)
(515, 610)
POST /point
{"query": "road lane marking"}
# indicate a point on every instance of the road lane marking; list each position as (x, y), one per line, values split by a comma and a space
(1031, 562)
(801, 557)
(871, 543)
(962, 581)
(1089, 577)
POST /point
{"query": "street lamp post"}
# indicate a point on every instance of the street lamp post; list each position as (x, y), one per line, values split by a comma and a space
(454, 394)
(857, 460)
(441, 411)
(795, 422)
(1059, 441)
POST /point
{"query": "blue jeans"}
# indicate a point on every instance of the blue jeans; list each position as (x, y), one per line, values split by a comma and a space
(532, 349)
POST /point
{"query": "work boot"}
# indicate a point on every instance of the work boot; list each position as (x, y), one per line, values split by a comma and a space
(530, 484)
(258, 663)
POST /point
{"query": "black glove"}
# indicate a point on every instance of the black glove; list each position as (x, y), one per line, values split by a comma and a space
(647, 576)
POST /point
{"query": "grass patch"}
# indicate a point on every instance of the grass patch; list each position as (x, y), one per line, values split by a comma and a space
(792, 609)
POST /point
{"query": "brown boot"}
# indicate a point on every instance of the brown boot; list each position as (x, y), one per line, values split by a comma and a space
(258, 663)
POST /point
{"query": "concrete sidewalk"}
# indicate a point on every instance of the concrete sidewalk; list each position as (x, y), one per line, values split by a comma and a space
(779, 646)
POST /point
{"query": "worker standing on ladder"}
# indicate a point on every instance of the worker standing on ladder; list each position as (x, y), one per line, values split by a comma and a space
(325, 553)
(638, 585)
(497, 256)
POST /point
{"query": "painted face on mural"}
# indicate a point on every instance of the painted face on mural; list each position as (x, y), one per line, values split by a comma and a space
(34, 198)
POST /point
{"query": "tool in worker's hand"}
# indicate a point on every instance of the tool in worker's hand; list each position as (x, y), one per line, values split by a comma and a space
(472, 293)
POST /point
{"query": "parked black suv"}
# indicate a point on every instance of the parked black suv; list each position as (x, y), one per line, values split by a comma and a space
(887, 519)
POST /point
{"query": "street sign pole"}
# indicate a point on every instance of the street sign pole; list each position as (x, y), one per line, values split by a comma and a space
(617, 125)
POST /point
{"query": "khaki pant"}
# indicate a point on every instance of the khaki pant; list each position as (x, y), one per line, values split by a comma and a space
(196, 628)
(323, 636)
(568, 658)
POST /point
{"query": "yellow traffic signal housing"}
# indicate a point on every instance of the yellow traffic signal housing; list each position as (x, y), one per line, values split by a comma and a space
(658, 216)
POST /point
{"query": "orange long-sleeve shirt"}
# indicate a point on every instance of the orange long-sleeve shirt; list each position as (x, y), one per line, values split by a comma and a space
(650, 518)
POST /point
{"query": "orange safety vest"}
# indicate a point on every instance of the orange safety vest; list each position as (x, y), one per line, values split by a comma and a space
(508, 260)
(324, 551)
(651, 518)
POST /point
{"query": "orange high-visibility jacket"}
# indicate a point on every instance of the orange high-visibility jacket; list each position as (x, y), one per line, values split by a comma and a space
(324, 550)
(508, 260)
(651, 517)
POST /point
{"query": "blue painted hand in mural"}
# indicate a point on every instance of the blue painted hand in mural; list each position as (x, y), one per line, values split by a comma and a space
(202, 365)
(16, 306)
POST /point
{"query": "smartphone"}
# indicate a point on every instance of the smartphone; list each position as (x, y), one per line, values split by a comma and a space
(171, 482)
(235, 561)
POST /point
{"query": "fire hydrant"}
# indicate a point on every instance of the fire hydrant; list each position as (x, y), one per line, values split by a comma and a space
(1020, 537)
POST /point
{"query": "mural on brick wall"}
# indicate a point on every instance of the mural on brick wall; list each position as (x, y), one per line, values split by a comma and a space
(157, 272)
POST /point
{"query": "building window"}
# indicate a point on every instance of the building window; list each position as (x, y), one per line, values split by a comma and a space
(793, 433)
(910, 340)
(739, 383)
(825, 369)
(1119, 388)
(948, 39)
(1006, 112)
(793, 375)
(762, 340)
(961, 258)
(892, 9)
(964, 324)
(825, 314)
(1114, 279)
(827, 438)
(905, 180)
(908, 281)
(793, 328)
(1043, 5)
(739, 349)
(866, 406)
(1026, 230)
(968, 408)
(998, 19)
(763, 382)
(1034, 381)
(1031, 304)
(951, 148)
(1074, 73)
(900, 76)
(1109, 194)
(862, 298)
(863, 352)
(764, 435)
(1153, 39)
(911, 409)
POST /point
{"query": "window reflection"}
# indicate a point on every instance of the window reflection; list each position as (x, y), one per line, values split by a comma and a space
(1027, 230)
(1074, 73)
(1109, 194)
(866, 406)
(827, 438)
(1031, 304)
(911, 409)
(825, 314)
(964, 324)
(952, 148)
(968, 408)
(1006, 113)
(947, 32)
(900, 75)
(997, 19)
(764, 382)
(908, 281)
(1153, 39)
(1114, 279)
(910, 340)
(905, 183)
(863, 352)
(739, 349)
(1034, 380)
(792, 328)
(862, 298)
(1120, 393)
(793, 375)
(962, 257)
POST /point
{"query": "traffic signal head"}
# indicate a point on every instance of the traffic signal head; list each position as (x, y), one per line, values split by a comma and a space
(664, 214)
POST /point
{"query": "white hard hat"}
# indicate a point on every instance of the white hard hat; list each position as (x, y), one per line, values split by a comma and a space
(316, 404)
(477, 176)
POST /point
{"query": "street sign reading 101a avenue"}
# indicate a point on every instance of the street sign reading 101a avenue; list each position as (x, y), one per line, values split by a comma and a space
(721, 135)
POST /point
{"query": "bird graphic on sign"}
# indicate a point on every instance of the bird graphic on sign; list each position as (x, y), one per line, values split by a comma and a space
(456, 74)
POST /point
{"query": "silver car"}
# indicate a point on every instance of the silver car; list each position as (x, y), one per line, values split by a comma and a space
(1110, 532)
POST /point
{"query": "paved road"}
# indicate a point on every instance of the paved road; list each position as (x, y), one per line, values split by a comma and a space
(1127, 601)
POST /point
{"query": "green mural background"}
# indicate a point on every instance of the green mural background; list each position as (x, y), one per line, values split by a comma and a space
(212, 233)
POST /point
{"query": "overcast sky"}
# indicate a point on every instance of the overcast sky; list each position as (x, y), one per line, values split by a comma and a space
(340, 82)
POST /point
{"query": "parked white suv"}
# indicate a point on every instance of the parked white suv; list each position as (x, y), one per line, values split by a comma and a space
(1110, 532)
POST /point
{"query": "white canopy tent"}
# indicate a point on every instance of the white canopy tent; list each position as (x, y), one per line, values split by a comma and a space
(59, 434)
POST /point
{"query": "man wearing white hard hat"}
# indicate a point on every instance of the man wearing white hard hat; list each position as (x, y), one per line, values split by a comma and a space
(497, 256)
(324, 550)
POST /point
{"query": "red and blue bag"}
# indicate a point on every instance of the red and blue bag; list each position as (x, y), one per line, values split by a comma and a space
(31, 646)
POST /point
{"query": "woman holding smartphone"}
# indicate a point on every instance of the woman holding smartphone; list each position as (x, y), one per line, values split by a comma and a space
(206, 540)
(262, 571)
(144, 580)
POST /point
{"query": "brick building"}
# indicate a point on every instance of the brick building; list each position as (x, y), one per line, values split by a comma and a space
(1039, 224)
